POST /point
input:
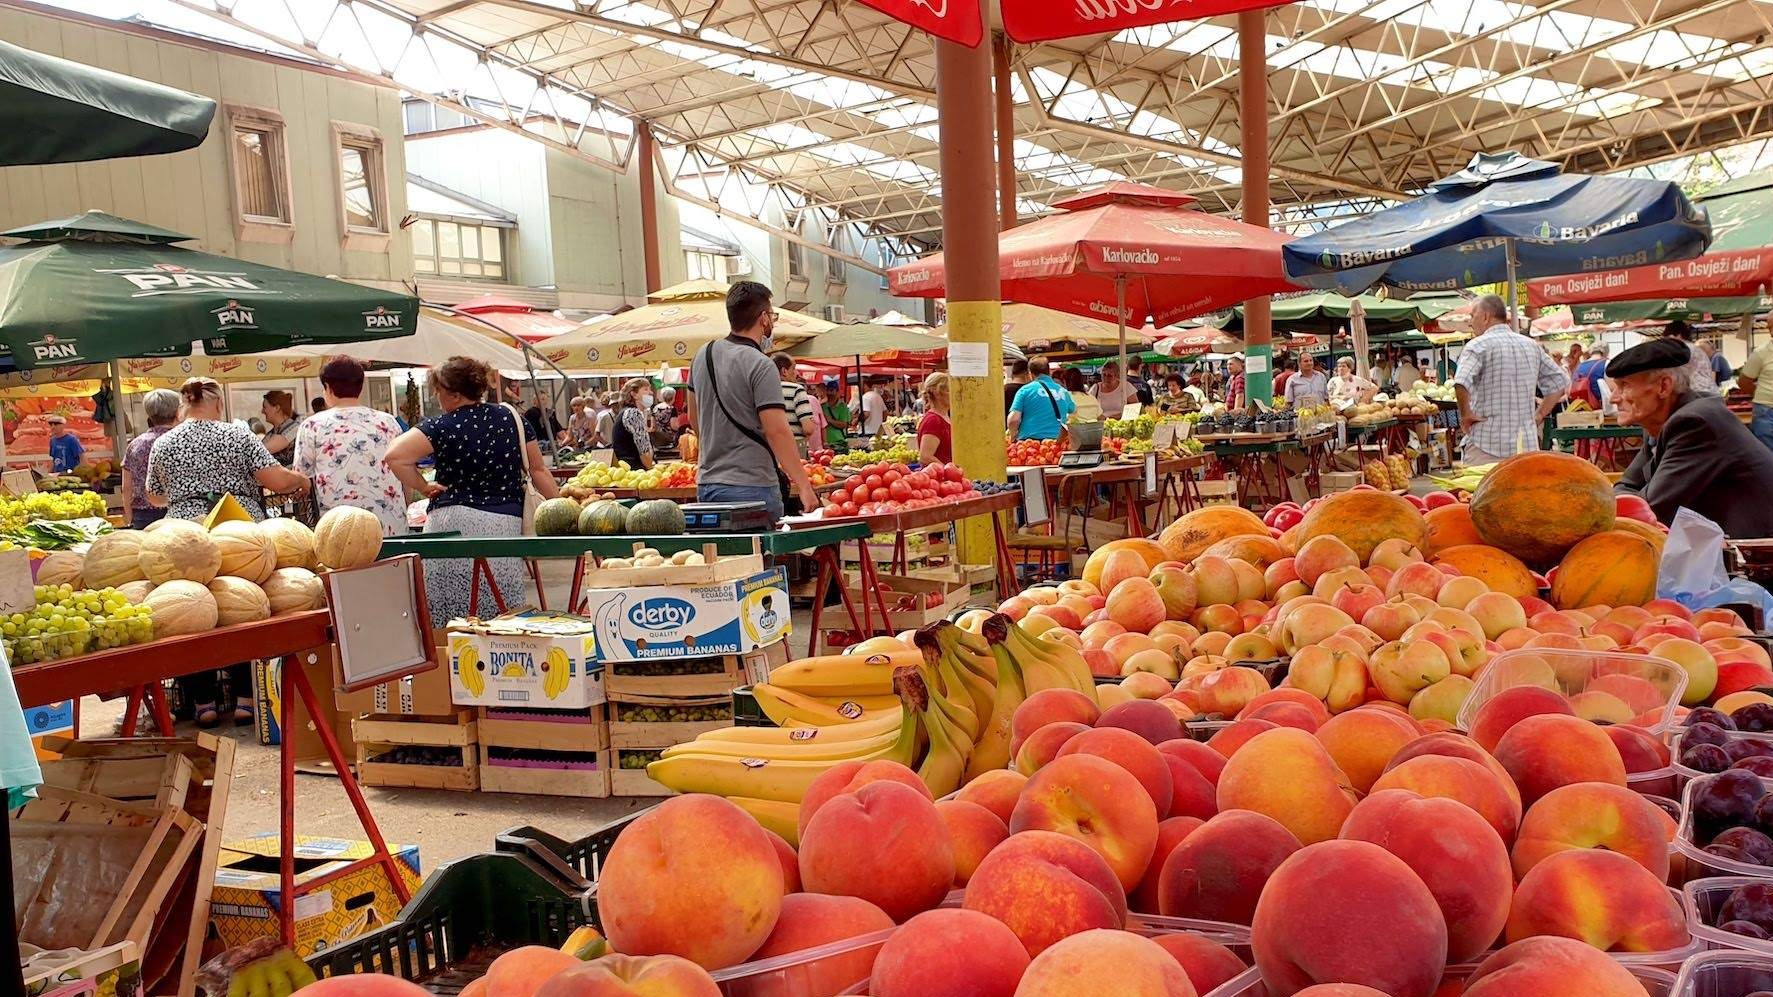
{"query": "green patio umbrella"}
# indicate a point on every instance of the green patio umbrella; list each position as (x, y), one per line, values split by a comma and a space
(56, 111)
(1322, 312)
(96, 287)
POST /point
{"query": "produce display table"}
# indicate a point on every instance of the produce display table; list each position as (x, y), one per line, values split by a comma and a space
(1257, 464)
(1122, 485)
(293, 636)
(1391, 435)
(1605, 446)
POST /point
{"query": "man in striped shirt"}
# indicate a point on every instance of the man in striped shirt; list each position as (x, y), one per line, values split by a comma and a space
(799, 405)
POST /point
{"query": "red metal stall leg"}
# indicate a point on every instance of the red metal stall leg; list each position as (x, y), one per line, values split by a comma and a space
(156, 696)
(1006, 565)
(290, 668)
(535, 574)
(576, 593)
(131, 711)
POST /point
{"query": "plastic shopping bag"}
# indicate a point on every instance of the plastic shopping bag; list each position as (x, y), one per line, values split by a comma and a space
(1692, 570)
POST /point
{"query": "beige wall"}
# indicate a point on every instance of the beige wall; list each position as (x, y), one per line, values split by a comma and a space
(192, 192)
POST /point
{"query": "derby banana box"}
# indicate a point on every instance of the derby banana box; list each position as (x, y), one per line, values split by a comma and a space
(690, 621)
(248, 895)
(533, 660)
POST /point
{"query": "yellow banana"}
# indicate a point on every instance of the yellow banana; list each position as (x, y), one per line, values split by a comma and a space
(585, 943)
(991, 749)
(944, 763)
(557, 673)
(468, 665)
(807, 750)
(763, 778)
(842, 675)
(861, 730)
(958, 658)
(774, 815)
(785, 707)
(1044, 664)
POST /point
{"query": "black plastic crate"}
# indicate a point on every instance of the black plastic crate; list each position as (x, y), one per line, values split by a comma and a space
(746, 712)
(465, 914)
(580, 859)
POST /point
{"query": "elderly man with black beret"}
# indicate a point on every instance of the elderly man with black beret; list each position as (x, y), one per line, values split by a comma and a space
(1697, 453)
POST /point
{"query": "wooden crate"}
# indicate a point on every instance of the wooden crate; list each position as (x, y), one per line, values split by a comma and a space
(1581, 420)
(664, 733)
(718, 569)
(951, 594)
(376, 735)
(713, 676)
(571, 730)
(632, 782)
(592, 783)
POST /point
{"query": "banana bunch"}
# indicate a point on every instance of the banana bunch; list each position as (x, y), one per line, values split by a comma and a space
(787, 708)
(768, 772)
(466, 657)
(1043, 664)
(843, 675)
(557, 673)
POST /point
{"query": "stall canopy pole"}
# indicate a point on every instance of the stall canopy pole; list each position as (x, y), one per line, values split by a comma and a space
(119, 442)
(964, 113)
(1252, 72)
(1514, 321)
(1357, 321)
(1120, 313)
(1006, 136)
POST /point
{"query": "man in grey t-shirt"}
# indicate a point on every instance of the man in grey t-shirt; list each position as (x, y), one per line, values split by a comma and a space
(736, 409)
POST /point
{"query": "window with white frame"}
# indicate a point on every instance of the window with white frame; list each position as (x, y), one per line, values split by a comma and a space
(796, 252)
(836, 270)
(363, 180)
(458, 249)
(258, 158)
(703, 266)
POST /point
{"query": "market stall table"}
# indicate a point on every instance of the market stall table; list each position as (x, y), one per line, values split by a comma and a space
(1124, 485)
(1607, 446)
(1253, 461)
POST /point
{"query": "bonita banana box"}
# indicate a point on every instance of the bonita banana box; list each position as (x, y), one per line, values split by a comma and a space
(248, 894)
(534, 660)
(683, 621)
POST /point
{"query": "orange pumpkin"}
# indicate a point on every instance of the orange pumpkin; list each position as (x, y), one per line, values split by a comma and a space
(1615, 568)
(1500, 570)
(1361, 519)
(1189, 536)
(1537, 505)
(1260, 551)
(1152, 551)
(1449, 526)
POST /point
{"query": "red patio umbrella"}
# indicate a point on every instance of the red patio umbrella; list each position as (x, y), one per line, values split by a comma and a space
(1126, 250)
(516, 318)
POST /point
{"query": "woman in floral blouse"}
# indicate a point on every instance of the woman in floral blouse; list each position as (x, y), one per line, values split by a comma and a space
(341, 449)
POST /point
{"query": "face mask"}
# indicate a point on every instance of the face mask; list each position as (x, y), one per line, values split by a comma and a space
(646, 400)
(768, 343)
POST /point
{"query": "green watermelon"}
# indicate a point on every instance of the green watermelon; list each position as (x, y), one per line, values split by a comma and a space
(557, 517)
(605, 518)
(655, 518)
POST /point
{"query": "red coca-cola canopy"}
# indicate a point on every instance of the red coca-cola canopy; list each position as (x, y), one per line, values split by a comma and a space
(1731, 273)
(1030, 21)
(1175, 260)
(955, 20)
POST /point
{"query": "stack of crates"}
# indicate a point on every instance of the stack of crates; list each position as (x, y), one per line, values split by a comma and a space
(661, 702)
(546, 752)
(400, 751)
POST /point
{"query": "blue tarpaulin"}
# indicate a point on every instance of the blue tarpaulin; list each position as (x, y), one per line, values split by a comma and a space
(1458, 234)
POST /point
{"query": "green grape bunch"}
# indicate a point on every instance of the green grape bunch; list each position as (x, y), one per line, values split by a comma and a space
(67, 621)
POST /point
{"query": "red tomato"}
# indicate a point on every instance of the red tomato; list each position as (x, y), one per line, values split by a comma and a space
(934, 467)
(899, 490)
(891, 476)
(849, 508)
(873, 481)
(840, 496)
(1634, 507)
(860, 493)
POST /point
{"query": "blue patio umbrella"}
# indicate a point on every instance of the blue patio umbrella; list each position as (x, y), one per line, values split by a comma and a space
(1501, 218)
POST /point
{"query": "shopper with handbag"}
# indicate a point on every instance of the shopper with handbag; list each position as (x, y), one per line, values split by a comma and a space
(736, 410)
(489, 477)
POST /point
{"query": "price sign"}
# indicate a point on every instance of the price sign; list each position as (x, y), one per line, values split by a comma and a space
(1034, 497)
(1163, 436)
(1150, 474)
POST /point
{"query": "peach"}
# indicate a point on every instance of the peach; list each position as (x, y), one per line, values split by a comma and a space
(628, 976)
(1335, 581)
(1416, 578)
(1511, 706)
(1593, 815)
(1349, 912)
(1309, 624)
(810, 920)
(1227, 690)
(1105, 962)
(1132, 753)
(1207, 963)
(1050, 706)
(695, 877)
(790, 861)
(1599, 897)
(1638, 748)
(1456, 745)
(1170, 832)
(1042, 746)
(1152, 721)
(1394, 553)
(1458, 592)
(1361, 742)
(847, 777)
(1134, 603)
(885, 843)
(1321, 555)
(1442, 700)
(1228, 741)
(1551, 967)
(521, 971)
(1096, 802)
(973, 832)
(1045, 887)
(1497, 613)
(996, 790)
(1198, 755)
(1219, 870)
(1356, 600)
(1287, 694)
(1177, 589)
(1544, 752)
(1401, 669)
(1459, 779)
(1389, 619)
(1163, 664)
(1455, 853)
(1192, 793)
(1287, 775)
(1144, 685)
(1340, 990)
(1292, 715)
(948, 953)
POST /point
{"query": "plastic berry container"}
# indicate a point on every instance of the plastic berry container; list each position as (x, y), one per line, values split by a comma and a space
(1725, 973)
(1650, 686)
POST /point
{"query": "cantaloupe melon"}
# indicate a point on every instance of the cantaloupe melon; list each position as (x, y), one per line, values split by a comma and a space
(135, 592)
(292, 590)
(179, 549)
(61, 568)
(247, 550)
(114, 559)
(347, 537)
(294, 542)
(181, 607)
(238, 600)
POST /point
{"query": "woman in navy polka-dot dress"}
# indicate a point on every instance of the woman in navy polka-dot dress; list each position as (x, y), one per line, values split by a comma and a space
(477, 491)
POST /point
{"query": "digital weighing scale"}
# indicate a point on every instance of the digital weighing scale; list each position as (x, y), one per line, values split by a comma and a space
(1081, 458)
(726, 517)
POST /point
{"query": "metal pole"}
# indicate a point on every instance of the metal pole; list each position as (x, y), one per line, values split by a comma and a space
(1006, 135)
(1252, 75)
(1120, 314)
(649, 204)
(1514, 321)
(120, 442)
(964, 115)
